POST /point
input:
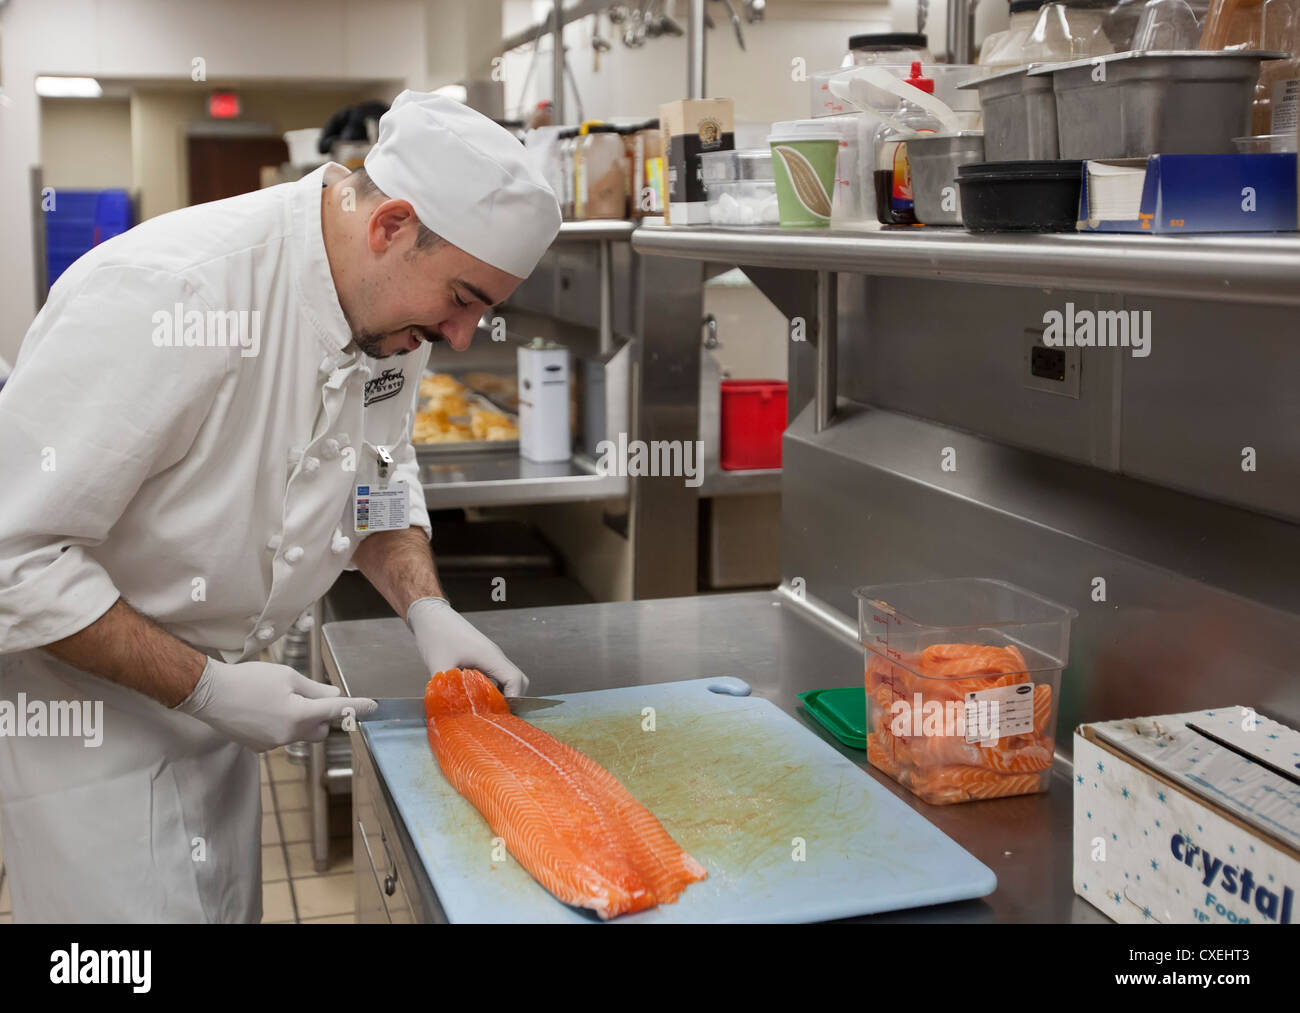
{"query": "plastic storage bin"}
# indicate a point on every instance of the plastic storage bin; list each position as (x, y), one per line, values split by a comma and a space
(963, 682)
(753, 420)
(740, 187)
(80, 220)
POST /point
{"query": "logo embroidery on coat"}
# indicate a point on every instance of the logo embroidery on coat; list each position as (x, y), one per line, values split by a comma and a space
(387, 384)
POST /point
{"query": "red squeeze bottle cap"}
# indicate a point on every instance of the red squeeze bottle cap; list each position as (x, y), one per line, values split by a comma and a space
(918, 80)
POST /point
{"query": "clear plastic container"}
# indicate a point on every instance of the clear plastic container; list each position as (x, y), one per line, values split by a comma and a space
(963, 682)
(740, 186)
(1006, 49)
(1166, 25)
(1266, 144)
(1270, 25)
(889, 47)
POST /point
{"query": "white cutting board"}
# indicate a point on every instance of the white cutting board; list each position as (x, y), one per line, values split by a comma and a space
(788, 828)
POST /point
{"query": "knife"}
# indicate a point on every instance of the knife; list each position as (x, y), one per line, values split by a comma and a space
(411, 708)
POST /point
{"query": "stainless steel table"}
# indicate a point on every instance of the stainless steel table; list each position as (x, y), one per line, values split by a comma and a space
(780, 649)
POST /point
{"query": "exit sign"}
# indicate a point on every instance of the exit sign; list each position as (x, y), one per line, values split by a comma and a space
(223, 105)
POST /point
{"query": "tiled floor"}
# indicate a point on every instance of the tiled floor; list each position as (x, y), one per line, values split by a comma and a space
(292, 890)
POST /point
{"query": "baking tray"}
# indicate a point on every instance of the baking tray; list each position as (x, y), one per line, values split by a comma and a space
(427, 453)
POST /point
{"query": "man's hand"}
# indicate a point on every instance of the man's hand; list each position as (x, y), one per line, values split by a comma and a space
(262, 705)
(448, 640)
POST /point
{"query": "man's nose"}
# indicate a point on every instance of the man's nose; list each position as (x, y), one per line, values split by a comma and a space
(459, 331)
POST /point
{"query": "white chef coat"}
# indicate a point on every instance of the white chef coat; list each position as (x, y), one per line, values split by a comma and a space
(212, 490)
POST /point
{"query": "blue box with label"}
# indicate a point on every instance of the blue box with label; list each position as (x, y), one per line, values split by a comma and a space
(1167, 194)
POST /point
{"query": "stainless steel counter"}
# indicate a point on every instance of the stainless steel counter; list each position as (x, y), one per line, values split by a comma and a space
(780, 650)
(493, 478)
(1257, 268)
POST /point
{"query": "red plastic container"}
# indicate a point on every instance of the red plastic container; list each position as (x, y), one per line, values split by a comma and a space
(753, 419)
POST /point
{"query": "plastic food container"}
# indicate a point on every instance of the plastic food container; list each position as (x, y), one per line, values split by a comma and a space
(752, 423)
(740, 187)
(1266, 144)
(1019, 115)
(1020, 196)
(1129, 105)
(934, 160)
(963, 683)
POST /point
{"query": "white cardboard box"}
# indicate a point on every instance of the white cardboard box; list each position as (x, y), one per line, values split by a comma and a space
(1188, 818)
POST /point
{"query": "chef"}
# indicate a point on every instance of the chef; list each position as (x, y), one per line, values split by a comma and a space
(207, 422)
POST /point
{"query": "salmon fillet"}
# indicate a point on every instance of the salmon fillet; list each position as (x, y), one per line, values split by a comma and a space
(562, 816)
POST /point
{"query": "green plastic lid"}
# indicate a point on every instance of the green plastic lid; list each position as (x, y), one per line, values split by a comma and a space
(843, 712)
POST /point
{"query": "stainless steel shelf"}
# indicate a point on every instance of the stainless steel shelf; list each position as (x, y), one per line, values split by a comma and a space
(717, 482)
(501, 479)
(615, 230)
(1257, 269)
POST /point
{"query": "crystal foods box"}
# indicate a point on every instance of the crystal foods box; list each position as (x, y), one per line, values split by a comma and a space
(1188, 818)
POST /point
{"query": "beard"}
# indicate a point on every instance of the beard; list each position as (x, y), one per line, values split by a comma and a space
(370, 343)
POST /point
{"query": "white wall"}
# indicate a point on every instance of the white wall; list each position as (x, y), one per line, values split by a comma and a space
(86, 144)
(633, 82)
(343, 40)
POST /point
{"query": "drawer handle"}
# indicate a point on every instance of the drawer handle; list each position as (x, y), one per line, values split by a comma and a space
(390, 885)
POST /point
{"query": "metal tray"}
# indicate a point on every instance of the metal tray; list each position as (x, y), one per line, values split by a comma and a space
(426, 453)
(1130, 105)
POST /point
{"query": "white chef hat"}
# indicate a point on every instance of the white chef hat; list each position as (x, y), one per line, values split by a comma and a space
(467, 178)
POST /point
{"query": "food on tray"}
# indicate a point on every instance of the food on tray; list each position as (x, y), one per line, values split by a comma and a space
(934, 759)
(450, 413)
(491, 383)
(562, 816)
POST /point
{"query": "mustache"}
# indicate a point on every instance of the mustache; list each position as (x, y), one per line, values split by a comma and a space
(370, 342)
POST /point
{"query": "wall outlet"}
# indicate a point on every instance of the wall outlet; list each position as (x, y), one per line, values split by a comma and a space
(1054, 370)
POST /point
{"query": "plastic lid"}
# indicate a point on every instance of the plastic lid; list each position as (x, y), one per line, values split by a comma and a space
(919, 80)
(889, 40)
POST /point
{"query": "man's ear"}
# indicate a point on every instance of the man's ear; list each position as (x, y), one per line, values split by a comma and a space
(386, 221)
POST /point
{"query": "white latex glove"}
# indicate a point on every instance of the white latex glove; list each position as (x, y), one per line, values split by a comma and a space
(448, 640)
(262, 705)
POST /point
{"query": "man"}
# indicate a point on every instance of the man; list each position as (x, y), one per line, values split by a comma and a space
(207, 422)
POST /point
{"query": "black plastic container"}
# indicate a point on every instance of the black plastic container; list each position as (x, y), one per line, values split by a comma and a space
(1020, 196)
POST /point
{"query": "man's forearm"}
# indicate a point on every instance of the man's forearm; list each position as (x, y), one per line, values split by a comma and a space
(400, 566)
(125, 647)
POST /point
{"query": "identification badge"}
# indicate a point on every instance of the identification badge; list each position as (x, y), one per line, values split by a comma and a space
(377, 509)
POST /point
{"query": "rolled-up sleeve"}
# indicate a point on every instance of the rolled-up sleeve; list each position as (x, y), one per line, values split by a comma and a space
(95, 406)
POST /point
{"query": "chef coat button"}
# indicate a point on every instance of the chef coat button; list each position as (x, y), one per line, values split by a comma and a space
(294, 554)
(330, 449)
(340, 542)
(274, 541)
(310, 464)
(265, 633)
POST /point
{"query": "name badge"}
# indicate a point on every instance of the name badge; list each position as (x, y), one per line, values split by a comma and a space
(377, 509)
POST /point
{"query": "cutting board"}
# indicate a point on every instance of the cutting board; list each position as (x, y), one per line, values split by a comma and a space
(788, 828)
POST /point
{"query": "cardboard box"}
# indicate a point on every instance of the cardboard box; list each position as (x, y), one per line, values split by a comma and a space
(1188, 818)
(689, 127)
(1190, 193)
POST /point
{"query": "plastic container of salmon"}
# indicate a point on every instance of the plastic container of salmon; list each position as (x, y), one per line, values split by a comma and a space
(963, 682)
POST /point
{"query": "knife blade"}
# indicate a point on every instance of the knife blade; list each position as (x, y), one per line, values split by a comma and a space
(411, 708)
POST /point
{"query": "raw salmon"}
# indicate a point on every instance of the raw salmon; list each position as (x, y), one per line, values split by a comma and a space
(562, 816)
(938, 765)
